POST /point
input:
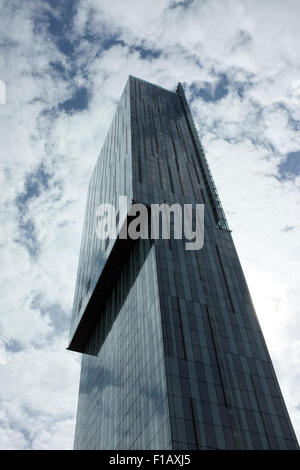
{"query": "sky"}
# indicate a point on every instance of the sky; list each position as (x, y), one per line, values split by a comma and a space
(64, 64)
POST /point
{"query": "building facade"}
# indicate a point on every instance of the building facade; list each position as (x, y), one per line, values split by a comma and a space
(173, 356)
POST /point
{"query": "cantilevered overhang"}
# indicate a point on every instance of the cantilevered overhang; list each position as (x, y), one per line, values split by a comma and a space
(86, 322)
(99, 296)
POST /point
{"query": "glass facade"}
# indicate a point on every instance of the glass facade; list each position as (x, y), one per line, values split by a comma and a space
(173, 354)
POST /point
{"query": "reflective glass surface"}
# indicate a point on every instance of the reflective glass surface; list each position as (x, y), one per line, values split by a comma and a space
(177, 358)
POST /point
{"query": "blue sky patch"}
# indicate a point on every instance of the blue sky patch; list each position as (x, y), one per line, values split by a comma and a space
(146, 53)
(35, 183)
(77, 102)
(13, 346)
(58, 317)
(288, 228)
(289, 169)
(242, 87)
(111, 41)
(293, 123)
(242, 38)
(182, 4)
(27, 236)
(59, 21)
(211, 92)
(58, 67)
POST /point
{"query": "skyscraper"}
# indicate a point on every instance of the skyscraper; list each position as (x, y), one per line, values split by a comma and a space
(173, 354)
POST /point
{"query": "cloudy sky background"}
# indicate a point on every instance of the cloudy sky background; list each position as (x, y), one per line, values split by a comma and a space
(65, 64)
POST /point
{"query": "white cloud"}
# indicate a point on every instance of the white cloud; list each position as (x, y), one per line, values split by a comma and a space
(38, 400)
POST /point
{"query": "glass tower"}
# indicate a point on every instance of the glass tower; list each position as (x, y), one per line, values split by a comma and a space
(173, 356)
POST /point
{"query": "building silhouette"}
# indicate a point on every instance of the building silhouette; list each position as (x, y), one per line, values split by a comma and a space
(173, 354)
